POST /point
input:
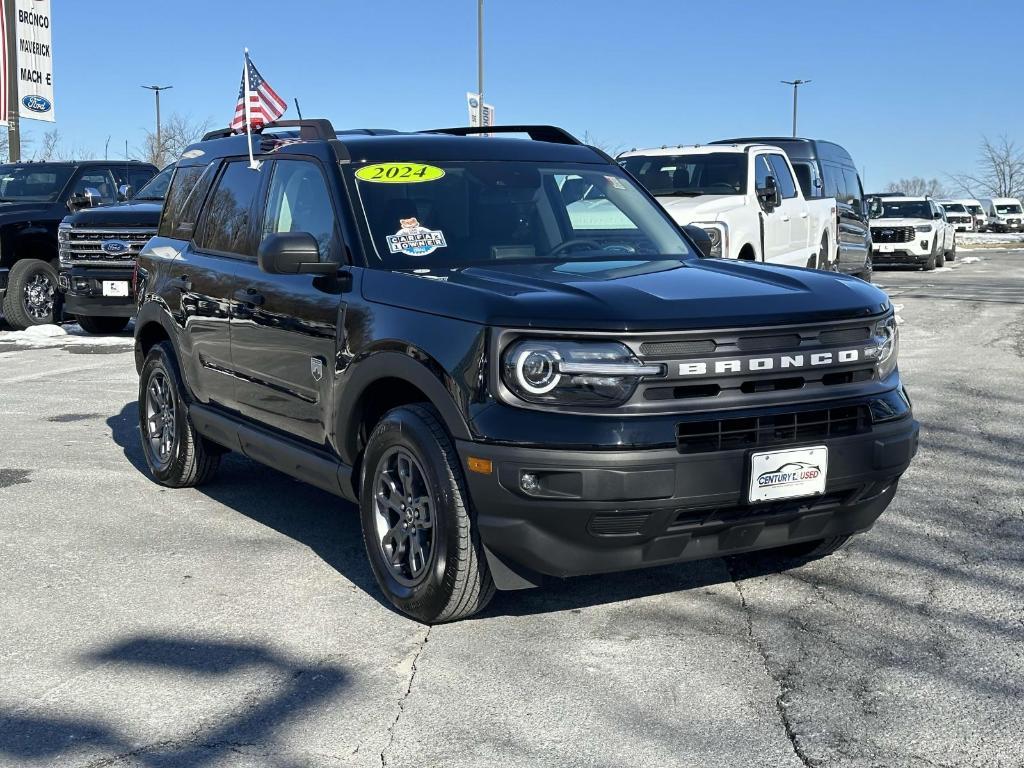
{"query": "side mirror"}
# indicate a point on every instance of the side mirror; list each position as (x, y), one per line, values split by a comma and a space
(89, 199)
(937, 215)
(769, 194)
(700, 238)
(874, 208)
(125, 192)
(293, 253)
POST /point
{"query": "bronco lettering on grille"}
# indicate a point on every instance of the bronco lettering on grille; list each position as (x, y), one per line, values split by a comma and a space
(773, 362)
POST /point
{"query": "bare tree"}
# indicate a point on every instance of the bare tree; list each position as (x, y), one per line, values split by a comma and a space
(49, 147)
(176, 133)
(606, 147)
(1000, 170)
(918, 187)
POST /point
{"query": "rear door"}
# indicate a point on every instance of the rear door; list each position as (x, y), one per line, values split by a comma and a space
(792, 214)
(284, 335)
(854, 240)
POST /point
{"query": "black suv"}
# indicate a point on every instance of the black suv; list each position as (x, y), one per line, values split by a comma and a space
(98, 247)
(512, 382)
(34, 197)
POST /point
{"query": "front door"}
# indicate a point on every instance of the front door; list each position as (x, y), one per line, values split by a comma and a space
(793, 215)
(775, 222)
(284, 336)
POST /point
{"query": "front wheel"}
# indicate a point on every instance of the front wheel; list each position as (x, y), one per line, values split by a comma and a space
(418, 526)
(102, 326)
(31, 294)
(177, 455)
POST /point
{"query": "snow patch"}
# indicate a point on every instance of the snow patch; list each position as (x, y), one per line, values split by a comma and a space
(897, 308)
(49, 336)
(989, 238)
(970, 259)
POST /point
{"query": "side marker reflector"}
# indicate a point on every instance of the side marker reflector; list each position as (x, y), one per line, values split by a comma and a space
(480, 466)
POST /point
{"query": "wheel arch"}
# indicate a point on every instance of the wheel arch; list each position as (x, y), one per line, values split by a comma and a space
(387, 380)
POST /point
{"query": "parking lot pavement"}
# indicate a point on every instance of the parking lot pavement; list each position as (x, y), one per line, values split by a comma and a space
(239, 625)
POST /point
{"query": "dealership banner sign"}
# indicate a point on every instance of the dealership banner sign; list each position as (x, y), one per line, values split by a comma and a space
(479, 114)
(33, 33)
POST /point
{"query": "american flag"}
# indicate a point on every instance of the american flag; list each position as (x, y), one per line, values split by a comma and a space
(265, 106)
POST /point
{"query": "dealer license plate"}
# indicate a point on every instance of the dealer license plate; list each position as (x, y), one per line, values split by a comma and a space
(115, 288)
(788, 474)
(885, 247)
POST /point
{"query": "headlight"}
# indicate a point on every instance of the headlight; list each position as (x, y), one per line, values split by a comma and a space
(719, 233)
(887, 334)
(573, 373)
(63, 242)
(924, 228)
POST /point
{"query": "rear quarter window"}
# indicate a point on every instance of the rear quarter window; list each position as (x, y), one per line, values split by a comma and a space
(184, 201)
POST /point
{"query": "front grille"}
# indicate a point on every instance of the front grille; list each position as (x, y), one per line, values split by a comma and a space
(776, 429)
(892, 234)
(729, 515)
(618, 523)
(85, 246)
(676, 348)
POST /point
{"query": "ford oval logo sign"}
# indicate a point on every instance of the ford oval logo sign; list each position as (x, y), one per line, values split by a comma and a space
(115, 247)
(35, 103)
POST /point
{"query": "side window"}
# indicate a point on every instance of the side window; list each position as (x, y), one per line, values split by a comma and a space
(762, 170)
(100, 180)
(854, 192)
(226, 225)
(835, 184)
(299, 201)
(787, 187)
(184, 197)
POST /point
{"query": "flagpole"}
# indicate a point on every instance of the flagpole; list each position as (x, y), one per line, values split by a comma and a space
(248, 115)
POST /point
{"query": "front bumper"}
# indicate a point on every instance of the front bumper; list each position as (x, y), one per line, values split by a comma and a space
(623, 510)
(83, 291)
(900, 253)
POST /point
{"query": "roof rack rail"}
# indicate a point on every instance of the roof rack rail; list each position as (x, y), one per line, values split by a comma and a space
(547, 133)
(308, 129)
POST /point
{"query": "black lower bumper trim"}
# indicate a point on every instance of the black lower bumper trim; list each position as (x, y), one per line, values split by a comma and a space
(589, 517)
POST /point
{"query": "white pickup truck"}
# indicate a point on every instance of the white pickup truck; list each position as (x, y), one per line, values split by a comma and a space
(746, 198)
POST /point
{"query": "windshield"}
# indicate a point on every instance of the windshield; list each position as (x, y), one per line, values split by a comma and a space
(904, 209)
(717, 173)
(38, 182)
(454, 214)
(954, 208)
(975, 209)
(156, 188)
(1007, 209)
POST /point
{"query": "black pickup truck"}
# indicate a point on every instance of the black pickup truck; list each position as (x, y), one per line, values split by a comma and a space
(98, 247)
(512, 383)
(34, 198)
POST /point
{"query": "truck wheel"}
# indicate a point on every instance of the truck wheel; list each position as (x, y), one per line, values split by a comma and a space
(31, 294)
(933, 257)
(868, 272)
(418, 527)
(951, 255)
(177, 455)
(97, 325)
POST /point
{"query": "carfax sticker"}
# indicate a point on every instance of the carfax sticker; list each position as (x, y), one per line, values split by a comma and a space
(414, 240)
(399, 173)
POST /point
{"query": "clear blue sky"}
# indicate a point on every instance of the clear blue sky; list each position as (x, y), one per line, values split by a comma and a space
(907, 87)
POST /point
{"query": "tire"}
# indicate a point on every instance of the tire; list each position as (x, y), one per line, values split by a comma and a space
(869, 269)
(183, 459)
(951, 255)
(32, 296)
(433, 568)
(811, 550)
(100, 325)
(933, 257)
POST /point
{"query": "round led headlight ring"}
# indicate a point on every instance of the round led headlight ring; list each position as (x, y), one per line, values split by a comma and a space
(537, 370)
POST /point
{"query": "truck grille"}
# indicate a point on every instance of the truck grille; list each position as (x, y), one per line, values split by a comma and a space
(775, 429)
(892, 234)
(95, 246)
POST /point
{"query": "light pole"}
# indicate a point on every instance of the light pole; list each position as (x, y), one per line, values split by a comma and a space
(796, 84)
(480, 55)
(156, 90)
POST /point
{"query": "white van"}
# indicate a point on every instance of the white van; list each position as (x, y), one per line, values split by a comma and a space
(1005, 214)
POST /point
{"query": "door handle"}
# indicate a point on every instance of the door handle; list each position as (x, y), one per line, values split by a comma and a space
(803, 215)
(785, 218)
(249, 296)
(182, 282)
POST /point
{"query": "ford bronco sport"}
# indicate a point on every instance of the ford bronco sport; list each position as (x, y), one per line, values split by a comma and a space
(509, 356)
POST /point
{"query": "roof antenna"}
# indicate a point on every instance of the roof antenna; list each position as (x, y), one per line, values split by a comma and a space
(298, 108)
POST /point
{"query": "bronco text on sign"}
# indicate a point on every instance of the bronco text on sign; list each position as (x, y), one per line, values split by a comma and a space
(35, 60)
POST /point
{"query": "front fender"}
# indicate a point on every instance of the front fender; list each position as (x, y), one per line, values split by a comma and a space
(422, 372)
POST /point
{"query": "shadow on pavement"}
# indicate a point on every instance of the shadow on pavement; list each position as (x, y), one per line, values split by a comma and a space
(296, 689)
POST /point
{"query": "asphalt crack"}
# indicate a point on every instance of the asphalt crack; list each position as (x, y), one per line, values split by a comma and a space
(405, 696)
(780, 682)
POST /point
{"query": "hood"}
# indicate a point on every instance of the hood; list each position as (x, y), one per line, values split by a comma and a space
(628, 295)
(134, 213)
(25, 209)
(893, 223)
(686, 210)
